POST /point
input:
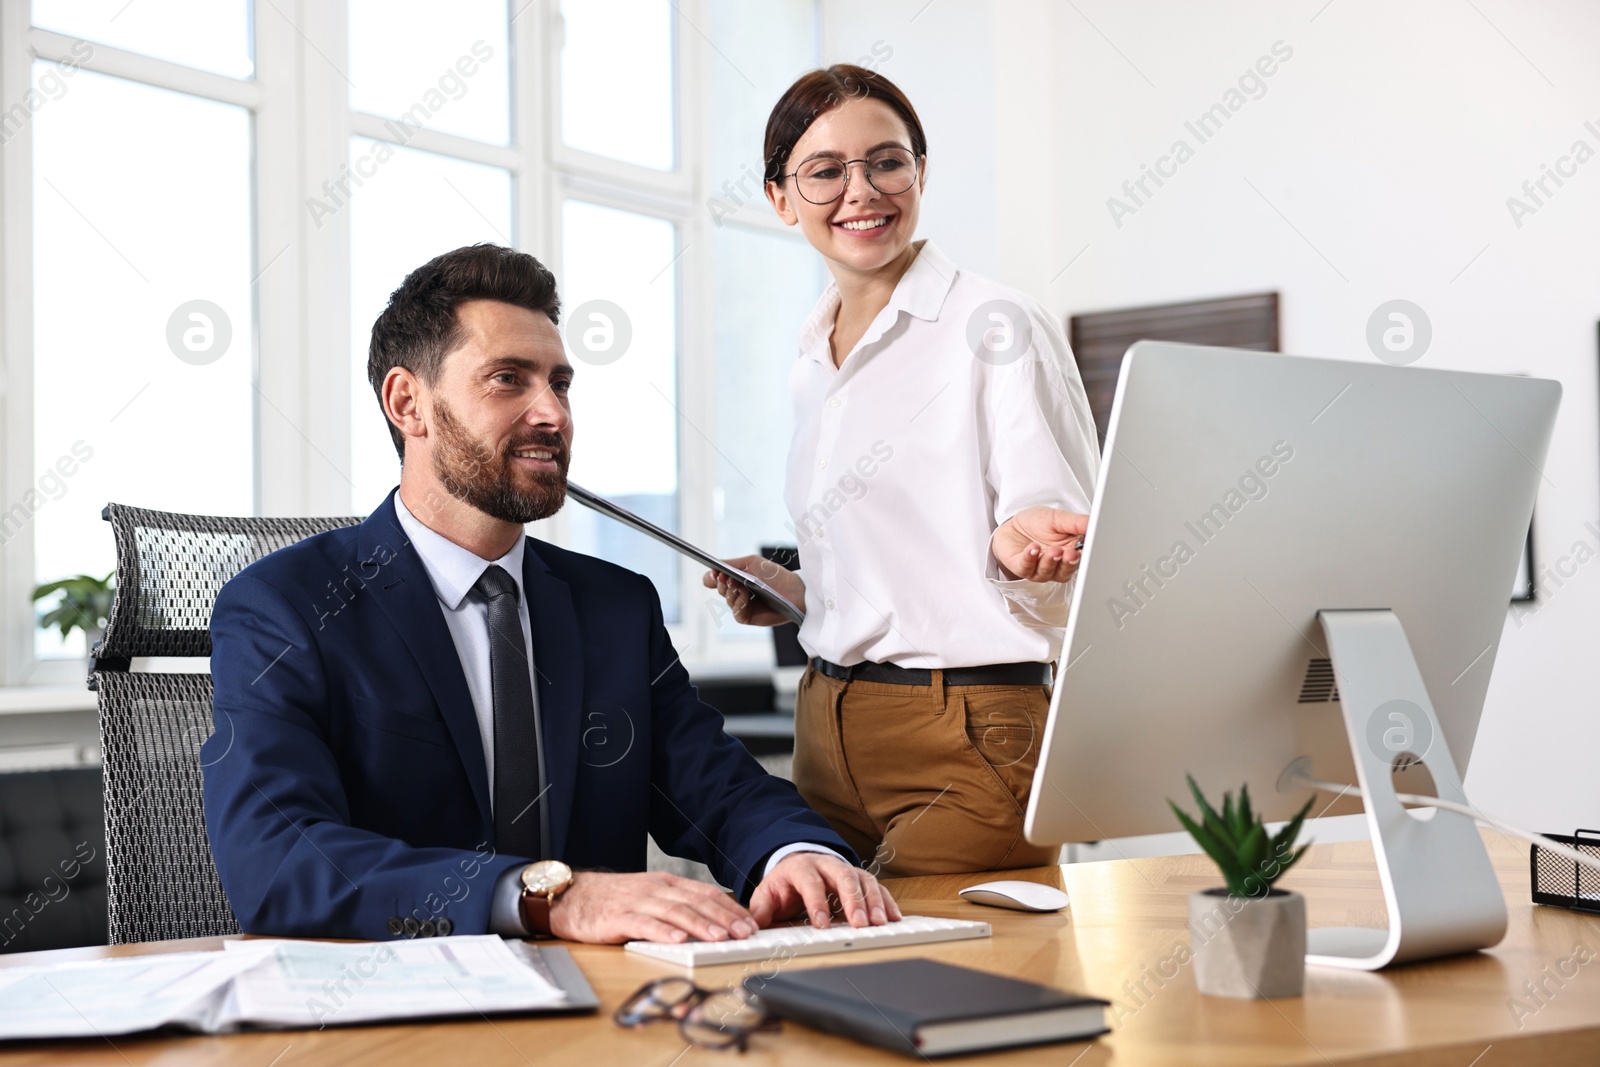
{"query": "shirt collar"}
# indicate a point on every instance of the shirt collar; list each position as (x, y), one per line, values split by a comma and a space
(452, 569)
(920, 292)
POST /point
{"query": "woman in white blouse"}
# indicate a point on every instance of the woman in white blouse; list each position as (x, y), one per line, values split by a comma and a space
(942, 464)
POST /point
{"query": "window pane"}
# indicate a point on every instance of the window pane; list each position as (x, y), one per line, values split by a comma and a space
(617, 84)
(443, 67)
(619, 300)
(143, 325)
(760, 51)
(212, 35)
(416, 205)
(766, 284)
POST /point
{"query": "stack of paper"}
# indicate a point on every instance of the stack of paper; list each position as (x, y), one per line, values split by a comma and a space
(273, 984)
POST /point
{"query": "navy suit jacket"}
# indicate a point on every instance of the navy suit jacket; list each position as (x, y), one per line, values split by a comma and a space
(345, 785)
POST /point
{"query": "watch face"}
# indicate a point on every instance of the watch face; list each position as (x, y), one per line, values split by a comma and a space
(546, 875)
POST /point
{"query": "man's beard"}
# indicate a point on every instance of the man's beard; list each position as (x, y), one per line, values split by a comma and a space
(472, 473)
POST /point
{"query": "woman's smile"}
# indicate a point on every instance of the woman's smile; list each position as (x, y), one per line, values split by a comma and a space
(865, 227)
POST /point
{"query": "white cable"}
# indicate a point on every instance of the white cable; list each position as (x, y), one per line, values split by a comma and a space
(1527, 835)
(1473, 813)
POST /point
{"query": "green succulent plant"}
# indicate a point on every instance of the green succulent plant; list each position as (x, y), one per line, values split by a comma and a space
(1250, 859)
(85, 603)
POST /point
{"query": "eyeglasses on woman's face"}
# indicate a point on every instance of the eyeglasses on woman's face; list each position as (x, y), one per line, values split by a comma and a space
(823, 179)
(714, 1019)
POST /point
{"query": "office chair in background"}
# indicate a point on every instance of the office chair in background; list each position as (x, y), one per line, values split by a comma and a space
(161, 882)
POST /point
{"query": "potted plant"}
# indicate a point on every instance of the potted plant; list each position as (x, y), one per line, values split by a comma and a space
(1248, 938)
(85, 605)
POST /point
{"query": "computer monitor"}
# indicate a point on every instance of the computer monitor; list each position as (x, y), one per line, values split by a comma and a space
(1293, 559)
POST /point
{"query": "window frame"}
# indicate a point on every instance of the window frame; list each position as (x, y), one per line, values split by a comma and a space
(302, 124)
(20, 45)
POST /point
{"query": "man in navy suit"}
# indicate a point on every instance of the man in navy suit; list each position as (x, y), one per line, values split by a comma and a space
(430, 722)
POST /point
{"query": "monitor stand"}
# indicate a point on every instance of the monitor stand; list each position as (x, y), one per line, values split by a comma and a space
(1440, 888)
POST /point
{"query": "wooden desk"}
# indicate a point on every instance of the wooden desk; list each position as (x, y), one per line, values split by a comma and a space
(1118, 940)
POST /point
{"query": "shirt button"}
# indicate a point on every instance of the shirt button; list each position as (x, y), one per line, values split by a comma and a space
(835, 402)
(821, 533)
(829, 602)
(821, 463)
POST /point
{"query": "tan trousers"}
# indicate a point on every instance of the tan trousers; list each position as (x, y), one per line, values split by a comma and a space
(922, 779)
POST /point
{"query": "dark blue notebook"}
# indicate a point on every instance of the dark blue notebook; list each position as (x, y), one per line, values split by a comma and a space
(925, 1008)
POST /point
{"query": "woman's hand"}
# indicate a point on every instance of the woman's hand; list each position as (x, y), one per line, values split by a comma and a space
(1040, 544)
(747, 608)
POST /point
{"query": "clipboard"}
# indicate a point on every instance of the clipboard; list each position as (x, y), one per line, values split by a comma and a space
(773, 599)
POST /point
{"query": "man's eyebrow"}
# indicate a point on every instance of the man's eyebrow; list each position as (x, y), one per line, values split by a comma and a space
(524, 363)
(829, 153)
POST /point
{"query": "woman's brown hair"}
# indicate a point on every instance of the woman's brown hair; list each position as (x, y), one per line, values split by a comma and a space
(820, 91)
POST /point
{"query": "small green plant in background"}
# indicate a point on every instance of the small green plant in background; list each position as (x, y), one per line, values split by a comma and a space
(1237, 841)
(85, 604)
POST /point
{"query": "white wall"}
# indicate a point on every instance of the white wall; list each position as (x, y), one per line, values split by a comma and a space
(1376, 165)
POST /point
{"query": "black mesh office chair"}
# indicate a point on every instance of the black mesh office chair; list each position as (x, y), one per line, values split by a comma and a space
(161, 882)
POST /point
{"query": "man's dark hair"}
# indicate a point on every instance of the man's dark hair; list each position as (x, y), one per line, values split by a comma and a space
(419, 326)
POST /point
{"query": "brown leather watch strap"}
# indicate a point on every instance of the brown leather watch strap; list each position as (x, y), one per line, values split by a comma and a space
(535, 911)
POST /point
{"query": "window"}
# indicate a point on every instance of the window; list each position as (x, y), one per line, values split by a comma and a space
(142, 317)
(765, 285)
(760, 51)
(765, 280)
(625, 211)
(222, 195)
(618, 89)
(621, 324)
(443, 67)
(209, 35)
(417, 68)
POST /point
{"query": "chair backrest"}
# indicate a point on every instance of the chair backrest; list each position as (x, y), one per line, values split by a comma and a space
(161, 882)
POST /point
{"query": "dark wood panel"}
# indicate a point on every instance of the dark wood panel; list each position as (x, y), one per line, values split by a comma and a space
(1100, 339)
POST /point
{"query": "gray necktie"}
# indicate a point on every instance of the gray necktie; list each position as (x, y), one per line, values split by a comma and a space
(517, 785)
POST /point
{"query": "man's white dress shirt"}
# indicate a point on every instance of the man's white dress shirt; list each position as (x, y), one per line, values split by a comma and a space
(960, 406)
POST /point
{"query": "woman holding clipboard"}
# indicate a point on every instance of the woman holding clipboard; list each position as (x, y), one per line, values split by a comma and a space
(941, 467)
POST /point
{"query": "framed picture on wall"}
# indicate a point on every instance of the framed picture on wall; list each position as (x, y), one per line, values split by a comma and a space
(1099, 339)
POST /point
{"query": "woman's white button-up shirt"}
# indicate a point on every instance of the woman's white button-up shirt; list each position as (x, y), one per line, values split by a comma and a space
(960, 406)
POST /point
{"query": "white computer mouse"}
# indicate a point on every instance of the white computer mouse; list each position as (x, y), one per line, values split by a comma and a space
(1019, 896)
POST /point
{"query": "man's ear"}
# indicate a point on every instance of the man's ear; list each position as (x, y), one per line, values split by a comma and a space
(780, 203)
(402, 402)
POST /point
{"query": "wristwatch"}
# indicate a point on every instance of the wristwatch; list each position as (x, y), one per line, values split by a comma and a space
(542, 882)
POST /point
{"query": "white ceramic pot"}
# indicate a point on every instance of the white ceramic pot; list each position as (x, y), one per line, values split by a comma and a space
(1248, 946)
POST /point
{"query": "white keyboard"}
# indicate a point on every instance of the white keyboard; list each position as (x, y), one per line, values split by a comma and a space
(783, 942)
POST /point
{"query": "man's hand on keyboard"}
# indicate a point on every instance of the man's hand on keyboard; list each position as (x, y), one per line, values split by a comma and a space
(813, 883)
(603, 908)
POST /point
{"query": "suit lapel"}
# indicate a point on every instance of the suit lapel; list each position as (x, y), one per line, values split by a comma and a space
(404, 593)
(558, 671)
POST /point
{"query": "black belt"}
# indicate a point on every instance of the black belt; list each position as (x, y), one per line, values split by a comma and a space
(998, 674)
